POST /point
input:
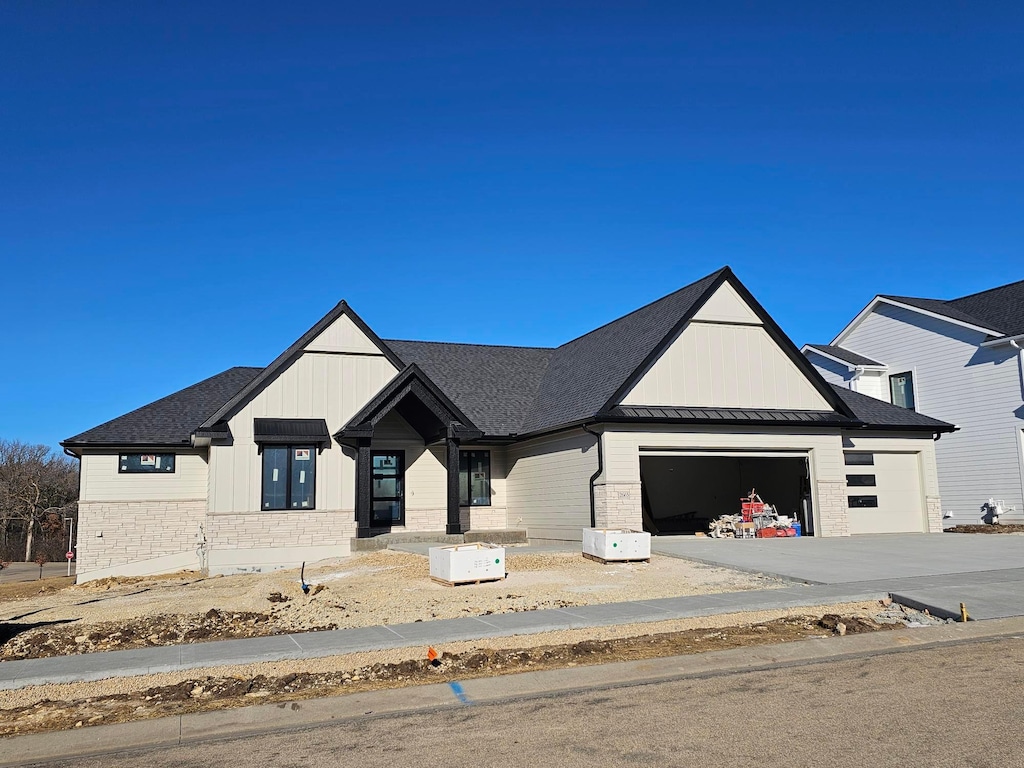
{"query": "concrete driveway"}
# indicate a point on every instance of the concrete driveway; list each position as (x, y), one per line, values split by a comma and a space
(934, 571)
(854, 558)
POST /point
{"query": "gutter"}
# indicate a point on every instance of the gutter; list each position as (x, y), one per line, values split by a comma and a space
(593, 478)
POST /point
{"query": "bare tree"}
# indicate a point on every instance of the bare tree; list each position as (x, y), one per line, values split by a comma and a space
(37, 487)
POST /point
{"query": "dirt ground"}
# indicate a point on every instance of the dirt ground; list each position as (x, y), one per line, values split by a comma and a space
(1012, 528)
(55, 618)
(65, 706)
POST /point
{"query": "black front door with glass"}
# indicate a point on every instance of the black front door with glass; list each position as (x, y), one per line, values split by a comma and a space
(388, 489)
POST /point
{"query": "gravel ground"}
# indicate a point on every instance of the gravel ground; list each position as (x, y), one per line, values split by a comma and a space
(384, 587)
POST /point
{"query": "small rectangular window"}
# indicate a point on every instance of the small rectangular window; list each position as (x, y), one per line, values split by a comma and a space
(131, 463)
(901, 388)
(475, 478)
(859, 459)
(864, 480)
(862, 501)
(289, 477)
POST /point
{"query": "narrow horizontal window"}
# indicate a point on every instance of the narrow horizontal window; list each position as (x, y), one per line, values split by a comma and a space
(864, 480)
(862, 501)
(859, 459)
(145, 463)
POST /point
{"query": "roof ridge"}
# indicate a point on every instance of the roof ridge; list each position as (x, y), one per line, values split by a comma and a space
(467, 344)
(711, 277)
(987, 290)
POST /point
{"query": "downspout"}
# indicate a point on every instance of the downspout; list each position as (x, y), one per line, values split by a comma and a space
(593, 477)
(1020, 364)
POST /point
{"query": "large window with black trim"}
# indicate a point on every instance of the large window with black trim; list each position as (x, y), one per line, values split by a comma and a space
(475, 478)
(145, 463)
(901, 388)
(289, 477)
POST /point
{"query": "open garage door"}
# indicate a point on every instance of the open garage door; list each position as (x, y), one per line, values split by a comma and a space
(682, 493)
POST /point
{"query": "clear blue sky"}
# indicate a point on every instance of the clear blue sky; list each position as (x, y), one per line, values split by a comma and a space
(189, 186)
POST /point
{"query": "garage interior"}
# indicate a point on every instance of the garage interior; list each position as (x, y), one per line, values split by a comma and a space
(683, 493)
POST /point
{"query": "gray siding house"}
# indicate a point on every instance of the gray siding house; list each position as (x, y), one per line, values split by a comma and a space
(959, 360)
(661, 419)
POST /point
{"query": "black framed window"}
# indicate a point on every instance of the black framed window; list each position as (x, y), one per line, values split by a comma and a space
(145, 463)
(475, 478)
(859, 459)
(289, 477)
(901, 387)
(861, 480)
(855, 502)
(387, 494)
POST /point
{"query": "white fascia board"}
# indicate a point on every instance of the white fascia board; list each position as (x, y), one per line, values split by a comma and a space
(1019, 338)
(852, 366)
(837, 341)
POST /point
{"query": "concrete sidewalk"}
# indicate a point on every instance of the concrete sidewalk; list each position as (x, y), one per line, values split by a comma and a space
(96, 666)
(310, 713)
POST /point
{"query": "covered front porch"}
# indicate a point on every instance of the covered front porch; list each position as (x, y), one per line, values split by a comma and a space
(406, 445)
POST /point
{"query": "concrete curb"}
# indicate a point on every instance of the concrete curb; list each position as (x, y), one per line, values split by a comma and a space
(298, 715)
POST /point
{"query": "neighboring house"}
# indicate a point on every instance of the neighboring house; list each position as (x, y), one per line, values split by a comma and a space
(957, 360)
(660, 419)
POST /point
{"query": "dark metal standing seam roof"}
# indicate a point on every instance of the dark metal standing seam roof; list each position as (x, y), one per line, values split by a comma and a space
(285, 431)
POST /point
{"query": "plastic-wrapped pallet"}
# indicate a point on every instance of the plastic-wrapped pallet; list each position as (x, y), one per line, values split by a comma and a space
(467, 563)
(616, 545)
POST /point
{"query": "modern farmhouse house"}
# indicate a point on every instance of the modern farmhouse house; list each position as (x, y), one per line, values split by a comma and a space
(960, 360)
(661, 420)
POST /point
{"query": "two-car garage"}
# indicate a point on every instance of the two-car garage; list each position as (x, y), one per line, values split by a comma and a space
(683, 490)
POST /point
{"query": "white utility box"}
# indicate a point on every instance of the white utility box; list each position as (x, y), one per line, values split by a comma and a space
(613, 545)
(467, 563)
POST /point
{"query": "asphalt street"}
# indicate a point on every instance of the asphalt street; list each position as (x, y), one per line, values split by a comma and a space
(957, 705)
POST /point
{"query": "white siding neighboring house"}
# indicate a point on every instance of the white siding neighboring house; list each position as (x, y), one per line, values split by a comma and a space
(660, 419)
(964, 358)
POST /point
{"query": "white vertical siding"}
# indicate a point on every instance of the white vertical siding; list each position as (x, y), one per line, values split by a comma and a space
(100, 480)
(548, 484)
(327, 386)
(719, 365)
(726, 306)
(343, 336)
(957, 381)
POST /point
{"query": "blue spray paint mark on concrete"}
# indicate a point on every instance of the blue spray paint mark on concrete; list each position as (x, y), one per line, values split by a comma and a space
(459, 693)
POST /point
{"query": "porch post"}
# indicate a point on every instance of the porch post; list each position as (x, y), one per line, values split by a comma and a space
(364, 483)
(454, 523)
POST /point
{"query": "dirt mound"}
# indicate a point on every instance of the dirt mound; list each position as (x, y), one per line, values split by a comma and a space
(1014, 528)
(207, 693)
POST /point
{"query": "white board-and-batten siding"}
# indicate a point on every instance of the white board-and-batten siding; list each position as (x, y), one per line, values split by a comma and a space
(724, 358)
(317, 385)
(956, 380)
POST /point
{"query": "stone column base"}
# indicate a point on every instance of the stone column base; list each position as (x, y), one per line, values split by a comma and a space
(617, 505)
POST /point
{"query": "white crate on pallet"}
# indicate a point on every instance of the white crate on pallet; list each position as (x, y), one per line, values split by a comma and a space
(460, 563)
(616, 544)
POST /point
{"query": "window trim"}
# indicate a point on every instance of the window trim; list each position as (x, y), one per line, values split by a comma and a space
(174, 464)
(851, 505)
(400, 453)
(870, 481)
(469, 486)
(848, 455)
(313, 453)
(912, 389)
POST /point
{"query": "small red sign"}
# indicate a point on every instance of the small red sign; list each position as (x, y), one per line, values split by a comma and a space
(70, 555)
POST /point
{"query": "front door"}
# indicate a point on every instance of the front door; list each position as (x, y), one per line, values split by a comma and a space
(388, 489)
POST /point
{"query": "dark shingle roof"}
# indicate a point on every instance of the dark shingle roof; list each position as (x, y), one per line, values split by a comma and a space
(878, 413)
(998, 309)
(170, 420)
(583, 374)
(494, 386)
(844, 354)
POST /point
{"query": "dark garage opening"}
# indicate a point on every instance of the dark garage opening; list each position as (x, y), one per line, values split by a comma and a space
(682, 494)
